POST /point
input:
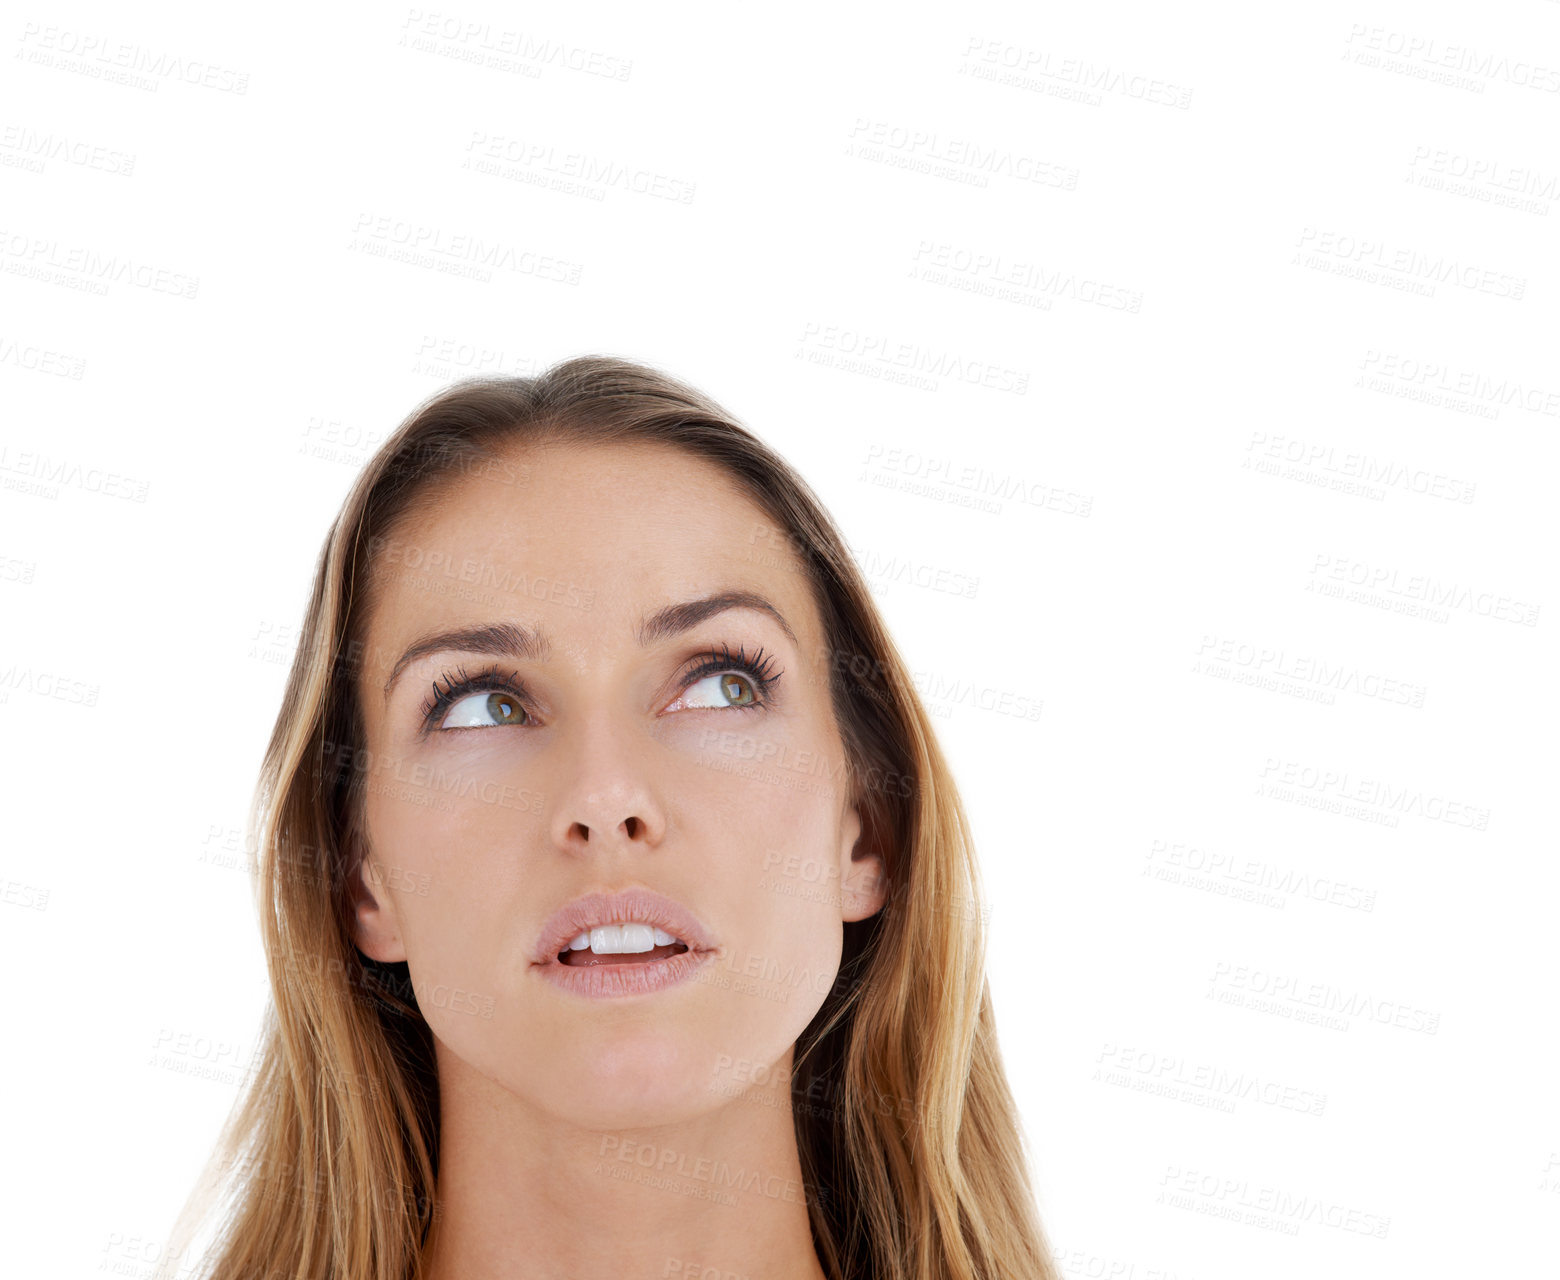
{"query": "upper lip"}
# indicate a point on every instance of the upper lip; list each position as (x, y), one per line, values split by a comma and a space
(642, 905)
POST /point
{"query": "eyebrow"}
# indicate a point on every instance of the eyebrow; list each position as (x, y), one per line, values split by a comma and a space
(510, 640)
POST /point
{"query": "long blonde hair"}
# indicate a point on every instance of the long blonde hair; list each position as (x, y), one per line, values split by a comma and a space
(327, 1167)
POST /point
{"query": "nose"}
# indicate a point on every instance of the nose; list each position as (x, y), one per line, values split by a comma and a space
(607, 799)
(582, 833)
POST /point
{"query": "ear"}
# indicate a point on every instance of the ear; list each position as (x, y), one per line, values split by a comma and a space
(375, 928)
(863, 872)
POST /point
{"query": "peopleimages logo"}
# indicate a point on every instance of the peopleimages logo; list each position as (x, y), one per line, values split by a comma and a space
(103, 57)
(839, 340)
(1428, 378)
(1342, 785)
(979, 481)
(1222, 653)
(1199, 867)
(480, 573)
(992, 274)
(1264, 453)
(422, 782)
(929, 151)
(1215, 1082)
(455, 252)
(1240, 1200)
(1032, 67)
(81, 266)
(1427, 52)
(1319, 1005)
(1422, 588)
(504, 47)
(1411, 264)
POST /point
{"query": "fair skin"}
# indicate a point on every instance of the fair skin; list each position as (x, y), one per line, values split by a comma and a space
(638, 1137)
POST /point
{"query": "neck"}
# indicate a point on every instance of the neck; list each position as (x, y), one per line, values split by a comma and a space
(524, 1194)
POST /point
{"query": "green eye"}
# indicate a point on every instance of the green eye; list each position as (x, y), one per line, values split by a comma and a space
(733, 690)
(494, 697)
(484, 700)
(499, 707)
(743, 683)
(484, 710)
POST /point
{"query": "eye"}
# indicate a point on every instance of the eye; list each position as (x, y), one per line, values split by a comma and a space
(729, 689)
(493, 697)
(730, 681)
(466, 699)
(467, 712)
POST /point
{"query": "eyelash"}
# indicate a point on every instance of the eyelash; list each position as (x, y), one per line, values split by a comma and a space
(759, 669)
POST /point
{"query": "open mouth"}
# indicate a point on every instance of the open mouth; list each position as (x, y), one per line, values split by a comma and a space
(587, 957)
(626, 959)
(634, 943)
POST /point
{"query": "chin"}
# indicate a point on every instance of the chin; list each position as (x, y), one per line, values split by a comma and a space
(605, 1111)
(638, 1086)
(617, 1076)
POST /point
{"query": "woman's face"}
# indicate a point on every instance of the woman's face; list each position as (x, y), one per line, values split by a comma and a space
(596, 763)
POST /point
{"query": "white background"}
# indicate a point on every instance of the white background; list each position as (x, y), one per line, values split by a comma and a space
(1229, 382)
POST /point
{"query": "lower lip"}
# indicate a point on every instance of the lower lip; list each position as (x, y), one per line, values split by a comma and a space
(603, 981)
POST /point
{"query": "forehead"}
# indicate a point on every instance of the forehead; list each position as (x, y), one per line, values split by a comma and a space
(578, 539)
(587, 495)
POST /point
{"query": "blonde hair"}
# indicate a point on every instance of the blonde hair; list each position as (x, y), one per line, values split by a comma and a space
(329, 1159)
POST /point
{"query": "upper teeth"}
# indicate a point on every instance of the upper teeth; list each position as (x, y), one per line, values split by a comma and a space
(617, 939)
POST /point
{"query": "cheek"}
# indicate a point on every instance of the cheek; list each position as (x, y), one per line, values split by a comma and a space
(770, 840)
(452, 877)
(770, 803)
(441, 856)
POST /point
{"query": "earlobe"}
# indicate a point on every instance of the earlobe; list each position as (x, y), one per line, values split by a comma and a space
(374, 926)
(863, 873)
